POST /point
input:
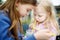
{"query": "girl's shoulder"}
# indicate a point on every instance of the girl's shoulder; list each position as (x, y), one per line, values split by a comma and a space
(4, 16)
(2, 12)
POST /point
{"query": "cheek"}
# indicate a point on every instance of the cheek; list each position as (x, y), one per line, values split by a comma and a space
(37, 18)
(43, 17)
(22, 12)
(40, 19)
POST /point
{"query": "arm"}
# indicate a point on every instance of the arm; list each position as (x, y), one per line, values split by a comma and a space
(30, 38)
(4, 27)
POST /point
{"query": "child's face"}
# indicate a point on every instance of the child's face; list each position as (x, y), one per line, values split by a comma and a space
(40, 14)
(24, 9)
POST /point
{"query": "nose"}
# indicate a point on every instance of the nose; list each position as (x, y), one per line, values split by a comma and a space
(26, 14)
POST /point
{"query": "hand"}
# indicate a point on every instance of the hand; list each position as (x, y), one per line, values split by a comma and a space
(42, 34)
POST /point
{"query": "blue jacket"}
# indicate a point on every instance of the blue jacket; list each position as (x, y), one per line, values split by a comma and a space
(5, 25)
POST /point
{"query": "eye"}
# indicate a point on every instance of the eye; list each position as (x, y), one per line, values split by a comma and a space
(28, 10)
(34, 14)
(40, 15)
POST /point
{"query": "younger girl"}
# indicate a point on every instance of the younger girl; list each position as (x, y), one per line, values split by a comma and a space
(44, 18)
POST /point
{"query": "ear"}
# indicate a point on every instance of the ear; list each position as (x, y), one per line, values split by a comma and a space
(16, 3)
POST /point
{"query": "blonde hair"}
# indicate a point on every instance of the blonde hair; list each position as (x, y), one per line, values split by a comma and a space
(46, 4)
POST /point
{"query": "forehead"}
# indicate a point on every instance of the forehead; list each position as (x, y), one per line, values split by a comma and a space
(40, 8)
(27, 6)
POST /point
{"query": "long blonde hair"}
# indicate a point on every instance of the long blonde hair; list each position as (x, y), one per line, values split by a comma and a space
(46, 4)
(14, 16)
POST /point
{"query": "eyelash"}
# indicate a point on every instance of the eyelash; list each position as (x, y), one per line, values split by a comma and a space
(28, 10)
(39, 15)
